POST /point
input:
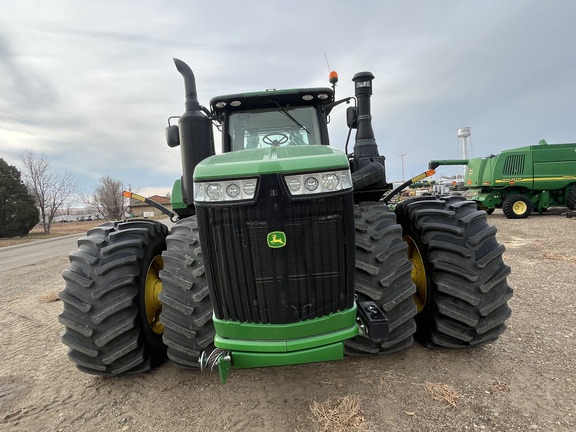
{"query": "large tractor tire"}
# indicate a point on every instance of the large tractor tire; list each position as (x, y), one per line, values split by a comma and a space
(517, 206)
(383, 274)
(111, 310)
(461, 279)
(186, 305)
(571, 202)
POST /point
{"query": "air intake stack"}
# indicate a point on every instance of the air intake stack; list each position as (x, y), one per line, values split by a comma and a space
(368, 166)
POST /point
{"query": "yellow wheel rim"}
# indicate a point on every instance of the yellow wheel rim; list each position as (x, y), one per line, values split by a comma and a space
(153, 288)
(519, 207)
(418, 273)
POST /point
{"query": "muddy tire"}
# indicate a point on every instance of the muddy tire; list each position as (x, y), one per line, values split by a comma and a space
(186, 305)
(383, 274)
(517, 206)
(462, 289)
(571, 202)
(107, 327)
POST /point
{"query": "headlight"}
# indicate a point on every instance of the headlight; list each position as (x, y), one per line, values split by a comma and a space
(230, 190)
(323, 182)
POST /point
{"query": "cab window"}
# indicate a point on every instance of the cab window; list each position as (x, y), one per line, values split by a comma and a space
(273, 127)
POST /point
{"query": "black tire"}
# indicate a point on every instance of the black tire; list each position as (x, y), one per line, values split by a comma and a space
(466, 293)
(186, 304)
(571, 201)
(383, 274)
(488, 210)
(105, 318)
(517, 206)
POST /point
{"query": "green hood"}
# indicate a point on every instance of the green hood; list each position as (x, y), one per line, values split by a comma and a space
(295, 159)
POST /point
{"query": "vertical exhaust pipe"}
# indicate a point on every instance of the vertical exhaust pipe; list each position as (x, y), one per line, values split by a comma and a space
(189, 85)
(195, 133)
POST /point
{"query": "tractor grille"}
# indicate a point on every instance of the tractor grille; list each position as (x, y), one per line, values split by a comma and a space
(311, 276)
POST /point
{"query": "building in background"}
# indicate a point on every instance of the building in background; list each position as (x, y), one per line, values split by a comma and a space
(141, 209)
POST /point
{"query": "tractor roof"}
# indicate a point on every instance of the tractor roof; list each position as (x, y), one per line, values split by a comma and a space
(271, 98)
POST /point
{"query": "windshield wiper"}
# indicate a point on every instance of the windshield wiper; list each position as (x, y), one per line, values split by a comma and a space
(287, 114)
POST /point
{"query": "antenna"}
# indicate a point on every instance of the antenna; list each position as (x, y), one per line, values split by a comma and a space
(327, 64)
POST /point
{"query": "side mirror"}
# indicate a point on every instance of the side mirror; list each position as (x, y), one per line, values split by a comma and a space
(352, 117)
(172, 136)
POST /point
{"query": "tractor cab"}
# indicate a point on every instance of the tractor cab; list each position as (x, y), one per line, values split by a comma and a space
(272, 118)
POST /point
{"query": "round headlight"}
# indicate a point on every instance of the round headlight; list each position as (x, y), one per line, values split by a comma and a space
(233, 190)
(214, 191)
(330, 181)
(249, 188)
(220, 104)
(294, 185)
(311, 184)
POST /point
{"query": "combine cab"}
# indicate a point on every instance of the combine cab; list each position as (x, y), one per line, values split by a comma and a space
(285, 251)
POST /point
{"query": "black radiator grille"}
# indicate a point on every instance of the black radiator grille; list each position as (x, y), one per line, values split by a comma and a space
(311, 276)
(514, 165)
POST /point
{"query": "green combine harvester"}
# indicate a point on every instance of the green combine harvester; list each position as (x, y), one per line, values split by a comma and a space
(284, 251)
(521, 180)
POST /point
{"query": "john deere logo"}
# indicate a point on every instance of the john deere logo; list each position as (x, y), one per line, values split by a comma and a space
(276, 239)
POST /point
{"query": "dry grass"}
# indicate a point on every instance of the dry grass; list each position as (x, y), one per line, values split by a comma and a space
(56, 230)
(499, 387)
(60, 229)
(338, 415)
(548, 255)
(49, 297)
(390, 378)
(443, 393)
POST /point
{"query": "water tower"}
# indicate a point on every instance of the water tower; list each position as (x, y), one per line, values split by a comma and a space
(464, 146)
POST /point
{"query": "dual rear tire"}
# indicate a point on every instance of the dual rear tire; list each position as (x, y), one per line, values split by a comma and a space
(460, 276)
(110, 311)
(435, 269)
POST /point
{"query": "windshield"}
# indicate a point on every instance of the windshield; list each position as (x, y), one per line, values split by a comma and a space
(273, 127)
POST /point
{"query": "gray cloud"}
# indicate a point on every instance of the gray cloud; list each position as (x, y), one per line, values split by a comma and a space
(22, 88)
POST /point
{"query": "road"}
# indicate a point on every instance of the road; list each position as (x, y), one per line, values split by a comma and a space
(35, 252)
(32, 253)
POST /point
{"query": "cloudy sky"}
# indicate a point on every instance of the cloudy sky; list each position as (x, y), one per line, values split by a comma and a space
(91, 84)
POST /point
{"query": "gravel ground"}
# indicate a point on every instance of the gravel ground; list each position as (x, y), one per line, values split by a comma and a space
(524, 381)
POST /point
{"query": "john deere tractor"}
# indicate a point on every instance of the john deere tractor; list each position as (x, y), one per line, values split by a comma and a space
(285, 250)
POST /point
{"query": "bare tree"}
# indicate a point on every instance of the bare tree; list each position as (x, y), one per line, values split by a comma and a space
(107, 199)
(50, 189)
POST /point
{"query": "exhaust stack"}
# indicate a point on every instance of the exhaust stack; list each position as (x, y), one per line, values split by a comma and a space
(195, 133)
(189, 85)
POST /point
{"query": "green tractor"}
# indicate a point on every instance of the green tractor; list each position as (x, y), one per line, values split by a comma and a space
(285, 251)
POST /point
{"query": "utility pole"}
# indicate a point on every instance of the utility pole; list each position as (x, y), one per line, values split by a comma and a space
(402, 156)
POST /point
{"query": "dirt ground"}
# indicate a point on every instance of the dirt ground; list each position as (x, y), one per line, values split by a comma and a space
(524, 381)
